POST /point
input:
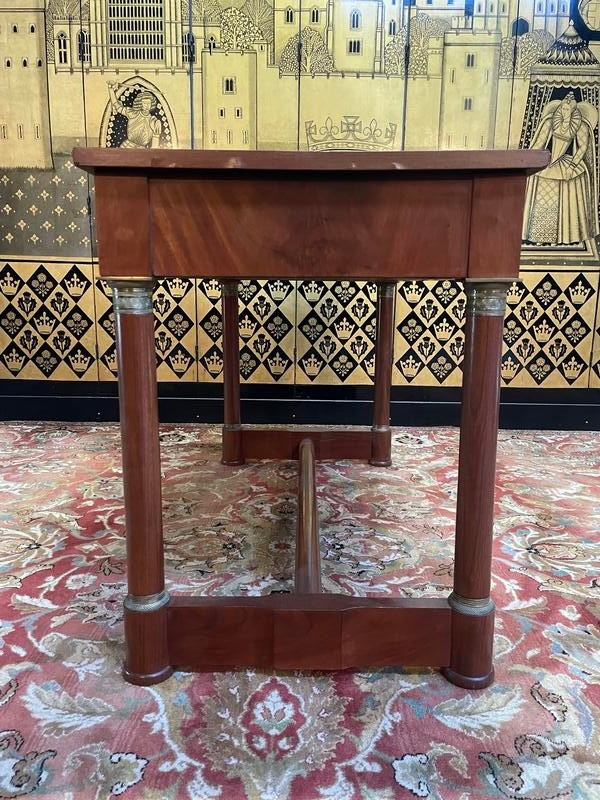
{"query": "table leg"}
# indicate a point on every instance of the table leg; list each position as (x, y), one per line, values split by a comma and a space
(232, 428)
(146, 659)
(381, 434)
(471, 664)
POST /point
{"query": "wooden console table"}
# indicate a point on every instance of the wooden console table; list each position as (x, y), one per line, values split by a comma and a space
(376, 216)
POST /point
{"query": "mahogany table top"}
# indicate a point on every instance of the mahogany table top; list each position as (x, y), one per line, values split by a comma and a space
(303, 215)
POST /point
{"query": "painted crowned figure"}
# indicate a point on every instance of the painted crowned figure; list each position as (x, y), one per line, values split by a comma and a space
(560, 206)
(143, 128)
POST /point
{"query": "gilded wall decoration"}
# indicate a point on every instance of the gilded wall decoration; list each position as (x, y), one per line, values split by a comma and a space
(548, 330)
(429, 338)
(595, 373)
(174, 302)
(267, 321)
(278, 74)
(336, 332)
(47, 321)
(562, 202)
(137, 117)
(45, 214)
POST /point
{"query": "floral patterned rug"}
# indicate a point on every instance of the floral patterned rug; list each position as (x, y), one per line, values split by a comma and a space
(72, 729)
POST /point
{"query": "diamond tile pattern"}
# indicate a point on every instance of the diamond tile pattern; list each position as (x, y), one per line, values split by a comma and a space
(47, 328)
(55, 318)
(336, 332)
(174, 303)
(267, 318)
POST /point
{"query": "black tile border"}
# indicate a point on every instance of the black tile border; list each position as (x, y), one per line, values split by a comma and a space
(69, 401)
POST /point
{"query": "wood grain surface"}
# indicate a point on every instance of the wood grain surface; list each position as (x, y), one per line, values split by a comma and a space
(98, 158)
(323, 631)
(291, 225)
(308, 554)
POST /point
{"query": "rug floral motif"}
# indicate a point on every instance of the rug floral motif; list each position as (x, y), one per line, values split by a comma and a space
(72, 729)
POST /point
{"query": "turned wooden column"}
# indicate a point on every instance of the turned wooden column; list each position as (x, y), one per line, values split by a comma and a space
(232, 421)
(471, 664)
(146, 659)
(308, 554)
(381, 433)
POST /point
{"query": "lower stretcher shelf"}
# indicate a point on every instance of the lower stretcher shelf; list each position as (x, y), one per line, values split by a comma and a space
(307, 631)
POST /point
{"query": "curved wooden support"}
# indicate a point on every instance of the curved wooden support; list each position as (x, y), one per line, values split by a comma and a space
(232, 428)
(381, 435)
(308, 556)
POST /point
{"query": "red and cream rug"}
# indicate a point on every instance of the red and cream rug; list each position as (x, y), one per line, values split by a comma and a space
(72, 729)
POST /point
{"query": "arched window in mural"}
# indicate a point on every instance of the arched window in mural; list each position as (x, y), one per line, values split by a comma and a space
(392, 27)
(314, 16)
(188, 47)
(137, 118)
(32, 29)
(24, 62)
(289, 15)
(354, 19)
(212, 44)
(83, 46)
(63, 53)
(520, 26)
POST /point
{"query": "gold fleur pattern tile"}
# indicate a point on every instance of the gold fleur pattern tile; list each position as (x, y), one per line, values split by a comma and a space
(105, 327)
(267, 320)
(595, 368)
(174, 304)
(57, 323)
(429, 339)
(45, 211)
(548, 330)
(47, 322)
(336, 332)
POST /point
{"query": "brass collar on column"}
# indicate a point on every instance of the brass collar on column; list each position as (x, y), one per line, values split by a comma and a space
(132, 296)
(229, 288)
(486, 299)
(146, 602)
(480, 607)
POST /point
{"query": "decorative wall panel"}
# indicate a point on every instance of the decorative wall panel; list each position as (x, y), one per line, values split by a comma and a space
(267, 314)
(595, 371)
(280, 74)
(45, 213)
(174, 302)
(47, 321)
(429, 338)
(336, 332)
(548, 330)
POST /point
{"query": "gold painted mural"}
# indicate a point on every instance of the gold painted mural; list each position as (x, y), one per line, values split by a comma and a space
(314, 75)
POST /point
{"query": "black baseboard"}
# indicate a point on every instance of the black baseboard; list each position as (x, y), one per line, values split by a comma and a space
(537, 409)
